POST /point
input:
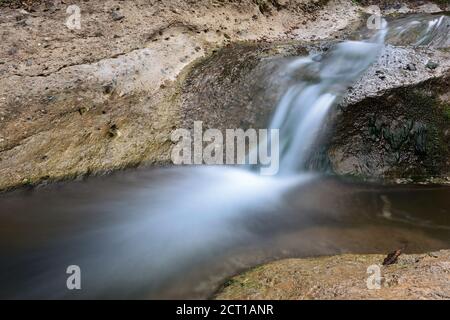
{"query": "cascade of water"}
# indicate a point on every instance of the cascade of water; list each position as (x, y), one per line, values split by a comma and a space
(302, 110)
(420, 30)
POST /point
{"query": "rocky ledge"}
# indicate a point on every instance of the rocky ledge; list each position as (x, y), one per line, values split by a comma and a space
(415, 276)
(106, 96)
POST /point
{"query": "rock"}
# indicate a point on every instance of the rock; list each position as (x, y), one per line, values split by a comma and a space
(394, 128)
(239, 92)
(113, 131)
(108, 88)
(344, 277)
(411, 67)
(117, 15)
(432, 65)
(397, 135)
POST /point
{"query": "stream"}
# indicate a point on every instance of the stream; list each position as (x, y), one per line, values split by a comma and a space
(181, 232)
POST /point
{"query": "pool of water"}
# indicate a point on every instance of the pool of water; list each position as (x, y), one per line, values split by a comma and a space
(180, 233)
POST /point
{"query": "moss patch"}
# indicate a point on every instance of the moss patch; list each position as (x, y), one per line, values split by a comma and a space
(446, 108)
(401, 134)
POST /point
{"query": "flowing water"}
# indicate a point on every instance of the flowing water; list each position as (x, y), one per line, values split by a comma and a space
(180, 232)
(421, 30)
(304, 107)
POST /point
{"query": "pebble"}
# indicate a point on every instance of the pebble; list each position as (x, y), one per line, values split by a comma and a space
(432, 65)
(411, 67)
(117, 15)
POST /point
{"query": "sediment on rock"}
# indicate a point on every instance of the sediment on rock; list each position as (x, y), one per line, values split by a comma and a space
(417, 276)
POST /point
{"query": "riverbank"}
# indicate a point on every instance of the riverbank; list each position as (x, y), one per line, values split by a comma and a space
(414, 276)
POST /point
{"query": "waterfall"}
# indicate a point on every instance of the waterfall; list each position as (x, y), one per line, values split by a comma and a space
(301, 112)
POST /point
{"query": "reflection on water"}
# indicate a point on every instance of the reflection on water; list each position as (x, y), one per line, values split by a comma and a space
(142, 235)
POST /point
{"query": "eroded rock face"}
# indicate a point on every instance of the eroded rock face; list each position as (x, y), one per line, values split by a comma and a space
(105, 97)
(393, 123)
(74, 102)
(423, 276)
(238, 86)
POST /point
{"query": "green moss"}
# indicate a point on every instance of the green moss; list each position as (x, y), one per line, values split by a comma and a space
(447, 111)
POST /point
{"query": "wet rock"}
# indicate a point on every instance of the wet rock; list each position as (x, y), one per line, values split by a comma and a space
(419, 132)
(234, 88)
(399, 134)
(432, 65)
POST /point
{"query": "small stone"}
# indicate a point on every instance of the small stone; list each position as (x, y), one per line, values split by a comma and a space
(411, 67)
(108, 88)
(12, 51)
(432, 65)
(433, 255)
(82, 110)
(113, 131)
(117, 15)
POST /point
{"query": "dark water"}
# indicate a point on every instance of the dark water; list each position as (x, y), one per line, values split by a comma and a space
(179, 233)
